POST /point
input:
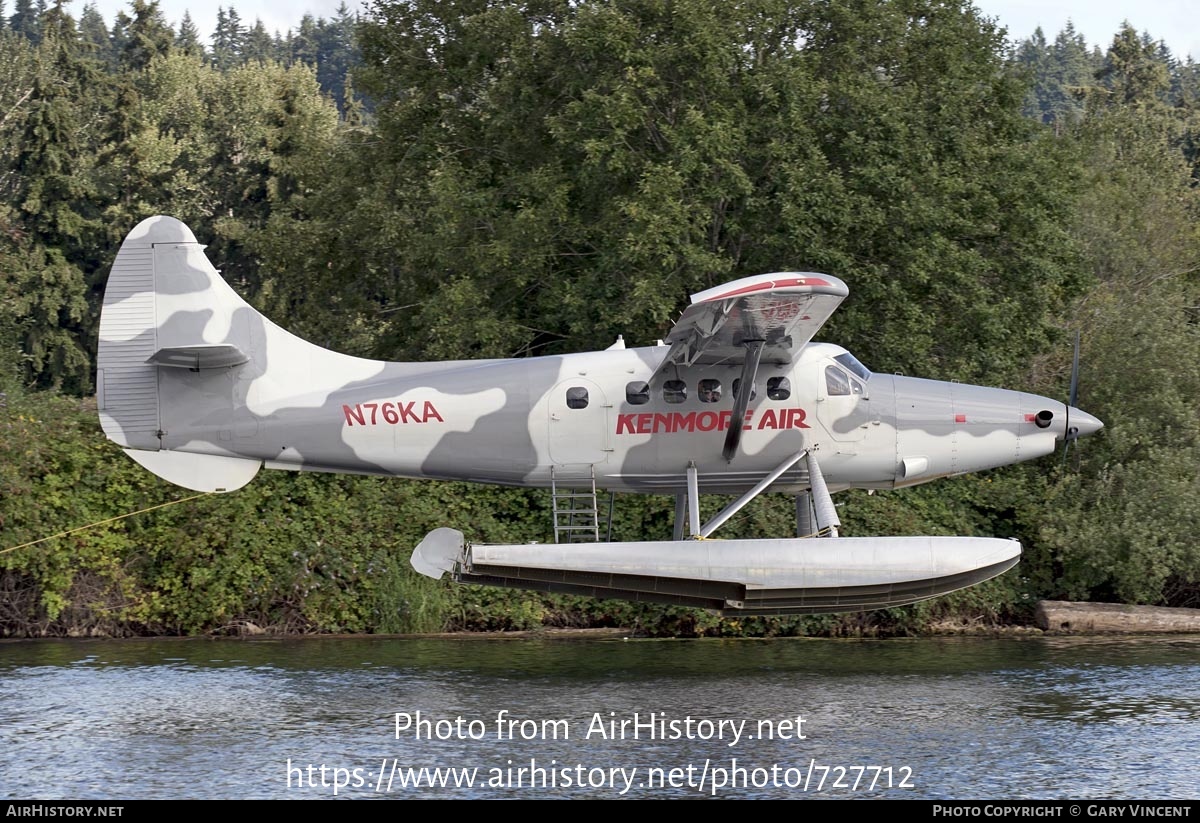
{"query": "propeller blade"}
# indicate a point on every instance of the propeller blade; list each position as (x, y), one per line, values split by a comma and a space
(1074, 393)
(1071, 435)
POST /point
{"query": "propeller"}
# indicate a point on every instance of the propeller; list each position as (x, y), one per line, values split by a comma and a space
(1071, 434)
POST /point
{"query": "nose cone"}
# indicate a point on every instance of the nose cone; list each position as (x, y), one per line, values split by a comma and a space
(1081, 424)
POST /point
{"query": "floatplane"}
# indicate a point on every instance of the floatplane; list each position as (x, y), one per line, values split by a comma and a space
(737, 399)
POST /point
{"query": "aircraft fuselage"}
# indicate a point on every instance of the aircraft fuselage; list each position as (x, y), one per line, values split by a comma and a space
(515, 422)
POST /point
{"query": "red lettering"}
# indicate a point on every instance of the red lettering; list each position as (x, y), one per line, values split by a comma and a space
(429, 412)
(781, 313)
(353, 414)
(656, 423)
(393, 413)
(796, 419)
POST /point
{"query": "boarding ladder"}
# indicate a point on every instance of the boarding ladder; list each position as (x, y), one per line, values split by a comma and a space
(577, 516)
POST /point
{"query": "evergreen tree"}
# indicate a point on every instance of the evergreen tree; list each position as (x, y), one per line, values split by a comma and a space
(56, 23)
(188, 38)
(228, 39)
(18, 66)
(1132, 72)
(305, 42)
(57, 206)
(120, 33)
(26, 20)
(1060, 76)
(149, 36)
(258, 47)
(337, 52)
(94, 32)
(352, 108)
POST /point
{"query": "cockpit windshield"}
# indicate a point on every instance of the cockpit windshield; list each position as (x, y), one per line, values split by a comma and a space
(851, 362)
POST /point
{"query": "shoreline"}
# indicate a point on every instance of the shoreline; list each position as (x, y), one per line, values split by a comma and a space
(1054, 618)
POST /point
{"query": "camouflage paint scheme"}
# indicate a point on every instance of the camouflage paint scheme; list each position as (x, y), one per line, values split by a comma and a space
(200, 388)
(293, 405)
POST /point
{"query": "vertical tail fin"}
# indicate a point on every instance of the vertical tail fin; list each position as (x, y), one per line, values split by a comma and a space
(165, 306)
(190, 376)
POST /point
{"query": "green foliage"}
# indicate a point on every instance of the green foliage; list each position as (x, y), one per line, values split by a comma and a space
(149, 36)
(563, 173)
(535, 178)
(291, 553)
(1061, 76)
(1120, 524)
(1124, 527)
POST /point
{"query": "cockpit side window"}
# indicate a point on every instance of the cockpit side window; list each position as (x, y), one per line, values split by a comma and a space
(837, 382)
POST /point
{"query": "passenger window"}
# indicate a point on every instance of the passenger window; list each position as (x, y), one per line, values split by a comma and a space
(637, 393)
(577, 397)
(836, 381)
(753, 389)
(710, 391)
(779, 388)
(674, 391)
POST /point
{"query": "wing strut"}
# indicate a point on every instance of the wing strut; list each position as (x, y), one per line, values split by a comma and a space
(754, 350)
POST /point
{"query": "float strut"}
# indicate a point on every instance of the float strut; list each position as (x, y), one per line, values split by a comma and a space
(826, 513)
(693, 500)
(804, 515)
(736, 506)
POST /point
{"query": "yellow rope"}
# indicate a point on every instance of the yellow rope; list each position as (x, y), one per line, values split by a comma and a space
(102, 522)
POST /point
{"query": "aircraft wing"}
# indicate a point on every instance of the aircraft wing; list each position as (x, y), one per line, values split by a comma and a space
(782, 311)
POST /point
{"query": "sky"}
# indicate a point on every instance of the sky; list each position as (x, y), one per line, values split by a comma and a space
(1175, 21)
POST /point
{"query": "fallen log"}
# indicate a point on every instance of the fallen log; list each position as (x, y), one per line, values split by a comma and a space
(1061, 616)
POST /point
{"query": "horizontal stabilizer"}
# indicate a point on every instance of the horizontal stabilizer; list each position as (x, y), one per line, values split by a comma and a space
(200, 357)
(787, 576)
(199, 472)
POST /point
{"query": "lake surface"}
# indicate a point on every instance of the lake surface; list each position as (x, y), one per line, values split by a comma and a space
(953, 718)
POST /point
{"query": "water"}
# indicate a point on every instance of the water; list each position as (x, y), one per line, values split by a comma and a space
(958, 718)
